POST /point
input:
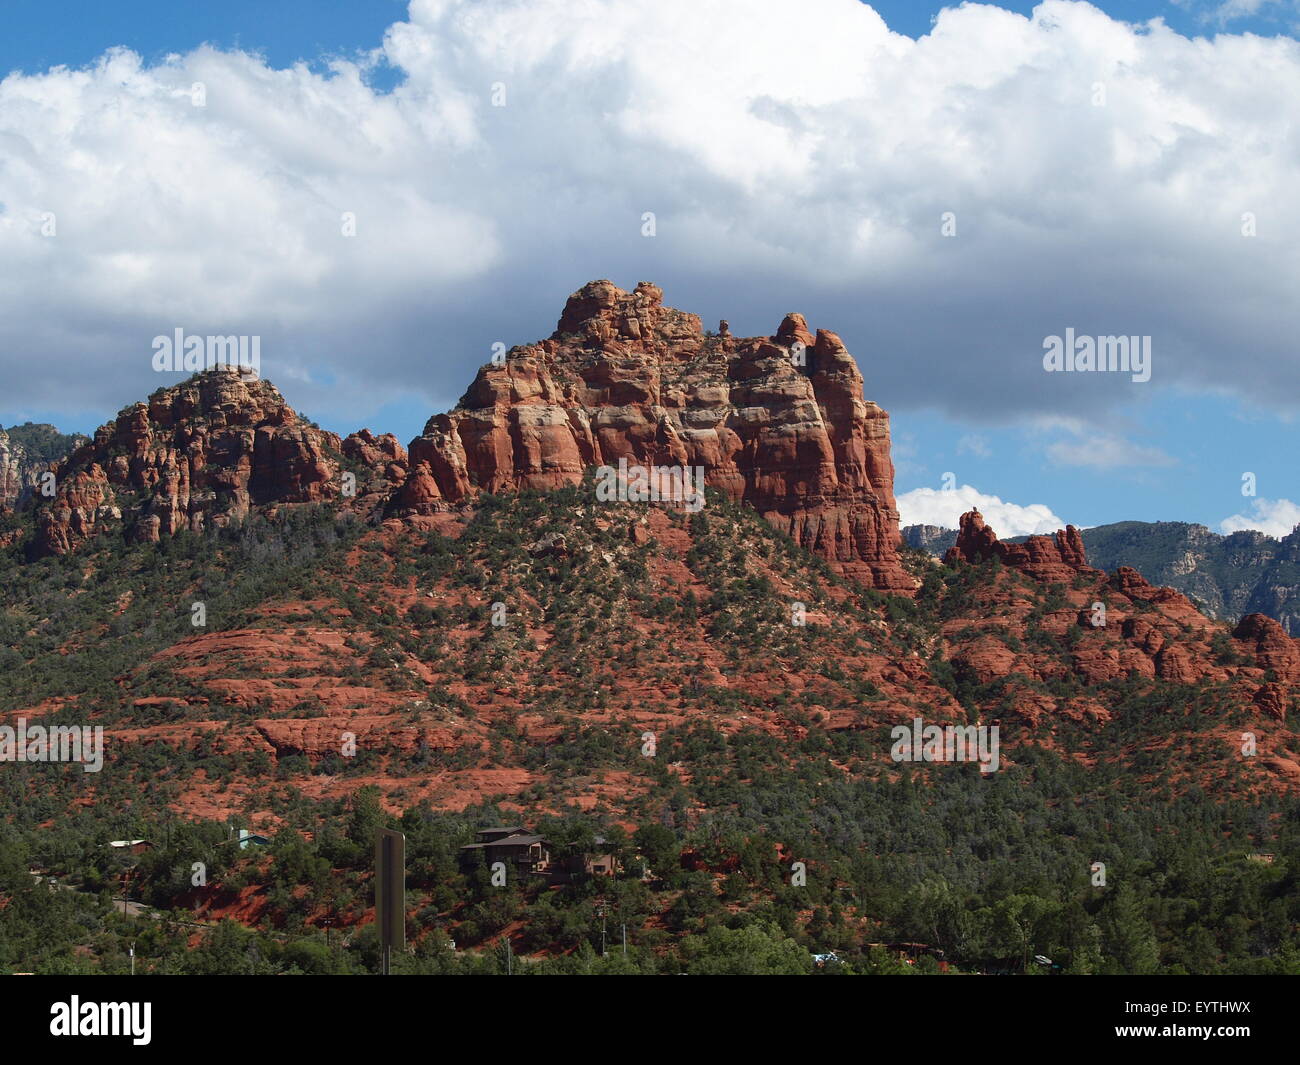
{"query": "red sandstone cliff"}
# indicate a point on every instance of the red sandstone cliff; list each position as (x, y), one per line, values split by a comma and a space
(777, 422)
(206, 450)
(11, 472)
(22, 471)
(624, 377)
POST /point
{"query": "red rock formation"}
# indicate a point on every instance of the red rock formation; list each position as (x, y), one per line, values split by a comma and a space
(1161, 635)
(1272, 647)
(777, 422)
(1172, 602)
(205, 450)
(20, 473)
(976, 542)
(380, 467)
(377, 452)
(11, 476)
(1272, 700)
(1045, 558)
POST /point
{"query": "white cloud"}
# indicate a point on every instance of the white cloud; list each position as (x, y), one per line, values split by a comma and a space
(1229, 10)
(1084, 443)
(930, 506)
(792, 163)
(1273, 517)
(1104, 451)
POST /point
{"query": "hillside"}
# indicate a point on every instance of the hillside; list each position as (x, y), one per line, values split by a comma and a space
(309, 636)
(1227, 577)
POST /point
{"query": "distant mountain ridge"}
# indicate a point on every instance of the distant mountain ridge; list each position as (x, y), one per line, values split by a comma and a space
(1229, 576)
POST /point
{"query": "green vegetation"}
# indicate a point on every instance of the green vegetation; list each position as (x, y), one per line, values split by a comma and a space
(43, 443)
(988, 871)
(984, 872)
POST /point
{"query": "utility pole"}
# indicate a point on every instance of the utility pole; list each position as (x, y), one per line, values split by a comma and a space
(625, 941)
(390, 894)
(131, 951)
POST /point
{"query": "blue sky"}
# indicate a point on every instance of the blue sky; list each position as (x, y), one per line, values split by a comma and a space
(948, 343)
(43, 33)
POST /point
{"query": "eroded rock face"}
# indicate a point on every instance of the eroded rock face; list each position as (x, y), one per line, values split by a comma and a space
(11, 472)
(1059, 558)
(206, 450)
(777, 422)
(22, 470)
(1273, 648)
(1141, 631)
(378, 465)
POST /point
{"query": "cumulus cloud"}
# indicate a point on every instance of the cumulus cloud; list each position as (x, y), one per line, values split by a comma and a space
(943, 507)
(1090, 170)
(1273, 517)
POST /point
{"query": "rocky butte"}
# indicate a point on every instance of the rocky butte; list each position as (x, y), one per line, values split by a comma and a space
(205, 450)
(1059, 558)
(777, 422)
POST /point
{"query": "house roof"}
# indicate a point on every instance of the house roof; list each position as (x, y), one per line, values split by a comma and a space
(246, 837)
(519, 839)
(125, 842)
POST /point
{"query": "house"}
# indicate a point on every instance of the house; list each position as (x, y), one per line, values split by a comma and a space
(595, 863)
(532, 854)
(130, 846)
(245, 839)
(493, 835)
(526, 851)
